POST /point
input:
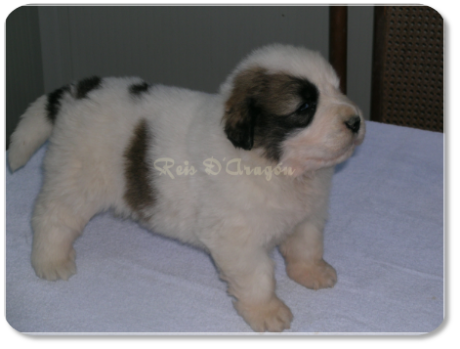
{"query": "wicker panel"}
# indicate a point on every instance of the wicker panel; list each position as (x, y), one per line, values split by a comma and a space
(411, 71)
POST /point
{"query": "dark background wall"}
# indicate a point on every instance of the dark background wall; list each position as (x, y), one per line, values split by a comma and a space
(189, 46)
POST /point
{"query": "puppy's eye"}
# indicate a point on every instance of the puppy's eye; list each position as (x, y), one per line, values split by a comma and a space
(303, 107)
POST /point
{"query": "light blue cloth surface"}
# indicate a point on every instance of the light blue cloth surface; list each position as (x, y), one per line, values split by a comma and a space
(384, 237)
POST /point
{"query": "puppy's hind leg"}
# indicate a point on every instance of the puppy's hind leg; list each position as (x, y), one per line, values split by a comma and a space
(55, 230)
(61, 213)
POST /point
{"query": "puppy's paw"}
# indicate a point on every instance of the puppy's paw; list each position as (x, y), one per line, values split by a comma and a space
(273, 316)
(315, 276)
(53, 268)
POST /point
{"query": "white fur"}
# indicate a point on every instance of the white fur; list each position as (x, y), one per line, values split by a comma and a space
(237, 218)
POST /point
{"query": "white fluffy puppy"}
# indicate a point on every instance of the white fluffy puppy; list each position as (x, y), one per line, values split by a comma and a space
(236, 173)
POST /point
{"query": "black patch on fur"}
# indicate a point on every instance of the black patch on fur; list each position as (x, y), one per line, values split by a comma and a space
(140, 88)
(272, 129)
(241, 133)
(87, 85)
(54, 103)
(139, 193)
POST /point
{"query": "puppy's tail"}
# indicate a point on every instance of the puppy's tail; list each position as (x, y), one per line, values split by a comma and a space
(33, 130)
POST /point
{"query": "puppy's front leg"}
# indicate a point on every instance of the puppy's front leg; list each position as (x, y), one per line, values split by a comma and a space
(303, 252)
(250, 276)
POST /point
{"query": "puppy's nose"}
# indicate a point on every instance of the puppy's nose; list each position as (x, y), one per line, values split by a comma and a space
(353, 123)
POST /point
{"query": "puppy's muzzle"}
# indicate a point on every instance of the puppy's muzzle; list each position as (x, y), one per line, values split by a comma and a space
(353, 123)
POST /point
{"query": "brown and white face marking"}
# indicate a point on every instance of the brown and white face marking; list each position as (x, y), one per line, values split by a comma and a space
(294, 121)
(264, 109)
(338, 127)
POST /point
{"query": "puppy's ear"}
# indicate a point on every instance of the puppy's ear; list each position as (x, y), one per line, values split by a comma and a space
(241, 108)
(239, 123)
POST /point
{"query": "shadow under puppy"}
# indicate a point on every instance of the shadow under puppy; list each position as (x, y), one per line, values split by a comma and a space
(280, 113)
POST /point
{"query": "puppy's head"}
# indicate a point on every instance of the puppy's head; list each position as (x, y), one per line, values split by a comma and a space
(285, 103)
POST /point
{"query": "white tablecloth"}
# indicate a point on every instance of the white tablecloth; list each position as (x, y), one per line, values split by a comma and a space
(384, 237)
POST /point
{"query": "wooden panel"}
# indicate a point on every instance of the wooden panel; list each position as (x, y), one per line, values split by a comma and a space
(24, 77)
(57, 46)
(189, 46)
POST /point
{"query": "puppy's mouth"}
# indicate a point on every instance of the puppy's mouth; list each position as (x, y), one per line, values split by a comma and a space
(312, 164)
(316, 160)
(334, 160)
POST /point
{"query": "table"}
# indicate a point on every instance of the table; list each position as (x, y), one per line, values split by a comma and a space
(385, 237)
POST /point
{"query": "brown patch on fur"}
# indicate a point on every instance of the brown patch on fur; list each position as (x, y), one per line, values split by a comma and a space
(139, 193)
(278, 93)
(246, 84)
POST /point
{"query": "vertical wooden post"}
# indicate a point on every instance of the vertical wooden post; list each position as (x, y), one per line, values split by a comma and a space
(338, 20)
(378, 53)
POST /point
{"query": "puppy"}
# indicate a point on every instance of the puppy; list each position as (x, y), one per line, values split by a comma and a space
(235, 173)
